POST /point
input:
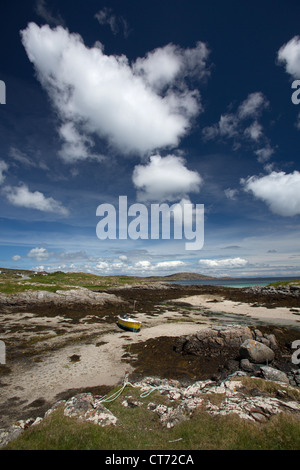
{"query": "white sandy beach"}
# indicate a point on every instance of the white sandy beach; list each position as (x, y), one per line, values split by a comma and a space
(214, 303)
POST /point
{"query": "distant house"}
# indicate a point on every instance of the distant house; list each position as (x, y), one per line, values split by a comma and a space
(43, 273)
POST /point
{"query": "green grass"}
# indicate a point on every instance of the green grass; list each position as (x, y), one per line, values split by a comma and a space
(284, 283)
(140, 429)
(11, 283)
(14, 288)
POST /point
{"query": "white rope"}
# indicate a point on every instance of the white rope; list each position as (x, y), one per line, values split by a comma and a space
(115, 395)
(146, 393)
(238, 373)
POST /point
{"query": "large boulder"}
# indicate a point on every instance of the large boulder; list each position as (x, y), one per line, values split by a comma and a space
(256, 352)
(213, 341)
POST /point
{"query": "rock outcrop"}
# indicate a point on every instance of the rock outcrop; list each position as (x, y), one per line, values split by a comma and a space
(236, 399)
(292, 290)
(233, 397)
(249, 351)
(76, 296)
(213, 341)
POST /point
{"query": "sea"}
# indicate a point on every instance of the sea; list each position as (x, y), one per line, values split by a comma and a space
(234, 282)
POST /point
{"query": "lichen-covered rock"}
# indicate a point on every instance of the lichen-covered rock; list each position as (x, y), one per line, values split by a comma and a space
(85, 408)
(256, 352)
(78, 405)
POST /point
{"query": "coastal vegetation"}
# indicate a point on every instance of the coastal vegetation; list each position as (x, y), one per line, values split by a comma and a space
(295, 282)
(140, 429)
(12, 281)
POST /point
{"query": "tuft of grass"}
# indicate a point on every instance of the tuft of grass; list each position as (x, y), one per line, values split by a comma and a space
(269, 387)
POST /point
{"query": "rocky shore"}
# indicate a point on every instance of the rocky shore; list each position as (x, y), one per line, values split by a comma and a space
(78, 296)
(249, 353)
(249, 350)
(289, 290)
(65, 343)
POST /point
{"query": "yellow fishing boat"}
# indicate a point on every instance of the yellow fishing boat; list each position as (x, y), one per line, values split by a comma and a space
(127, 323)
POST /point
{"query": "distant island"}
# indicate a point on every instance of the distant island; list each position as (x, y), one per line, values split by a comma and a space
(182, 277)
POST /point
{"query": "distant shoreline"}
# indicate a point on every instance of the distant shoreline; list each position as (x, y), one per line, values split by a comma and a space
(233, 282)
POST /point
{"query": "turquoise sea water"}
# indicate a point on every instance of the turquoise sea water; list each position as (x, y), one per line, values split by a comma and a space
(236, 282)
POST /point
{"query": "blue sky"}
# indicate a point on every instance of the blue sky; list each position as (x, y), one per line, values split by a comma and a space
(164, 102)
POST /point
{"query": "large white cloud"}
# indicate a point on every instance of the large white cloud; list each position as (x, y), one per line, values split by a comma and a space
(289, 55)
(135, 107)
(279, 190)
(165, 178)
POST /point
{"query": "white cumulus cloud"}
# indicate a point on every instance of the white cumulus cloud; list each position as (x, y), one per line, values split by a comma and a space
(21, 196)
(165, 178)
(289, 55)
(223, 263)
(105, 95)
(279, 190)
(39, 254)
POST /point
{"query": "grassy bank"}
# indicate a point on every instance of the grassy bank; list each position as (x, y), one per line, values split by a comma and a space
(140, 429)
(11, 282)
(295, 282)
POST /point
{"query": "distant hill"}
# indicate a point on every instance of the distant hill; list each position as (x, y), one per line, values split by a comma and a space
(183, 277)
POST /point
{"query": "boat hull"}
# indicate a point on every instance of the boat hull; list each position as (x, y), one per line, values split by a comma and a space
(129, 324)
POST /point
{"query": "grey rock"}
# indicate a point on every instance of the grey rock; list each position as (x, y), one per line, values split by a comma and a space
(9, 434)
(257, 334)
(272, 342)
(246, 365)
(283, 290)
(212, 341)
(297, 380)
(275, 375)
(85, 408)
(79, 295)
(265, 341)
(256, 352)
(78, 405)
